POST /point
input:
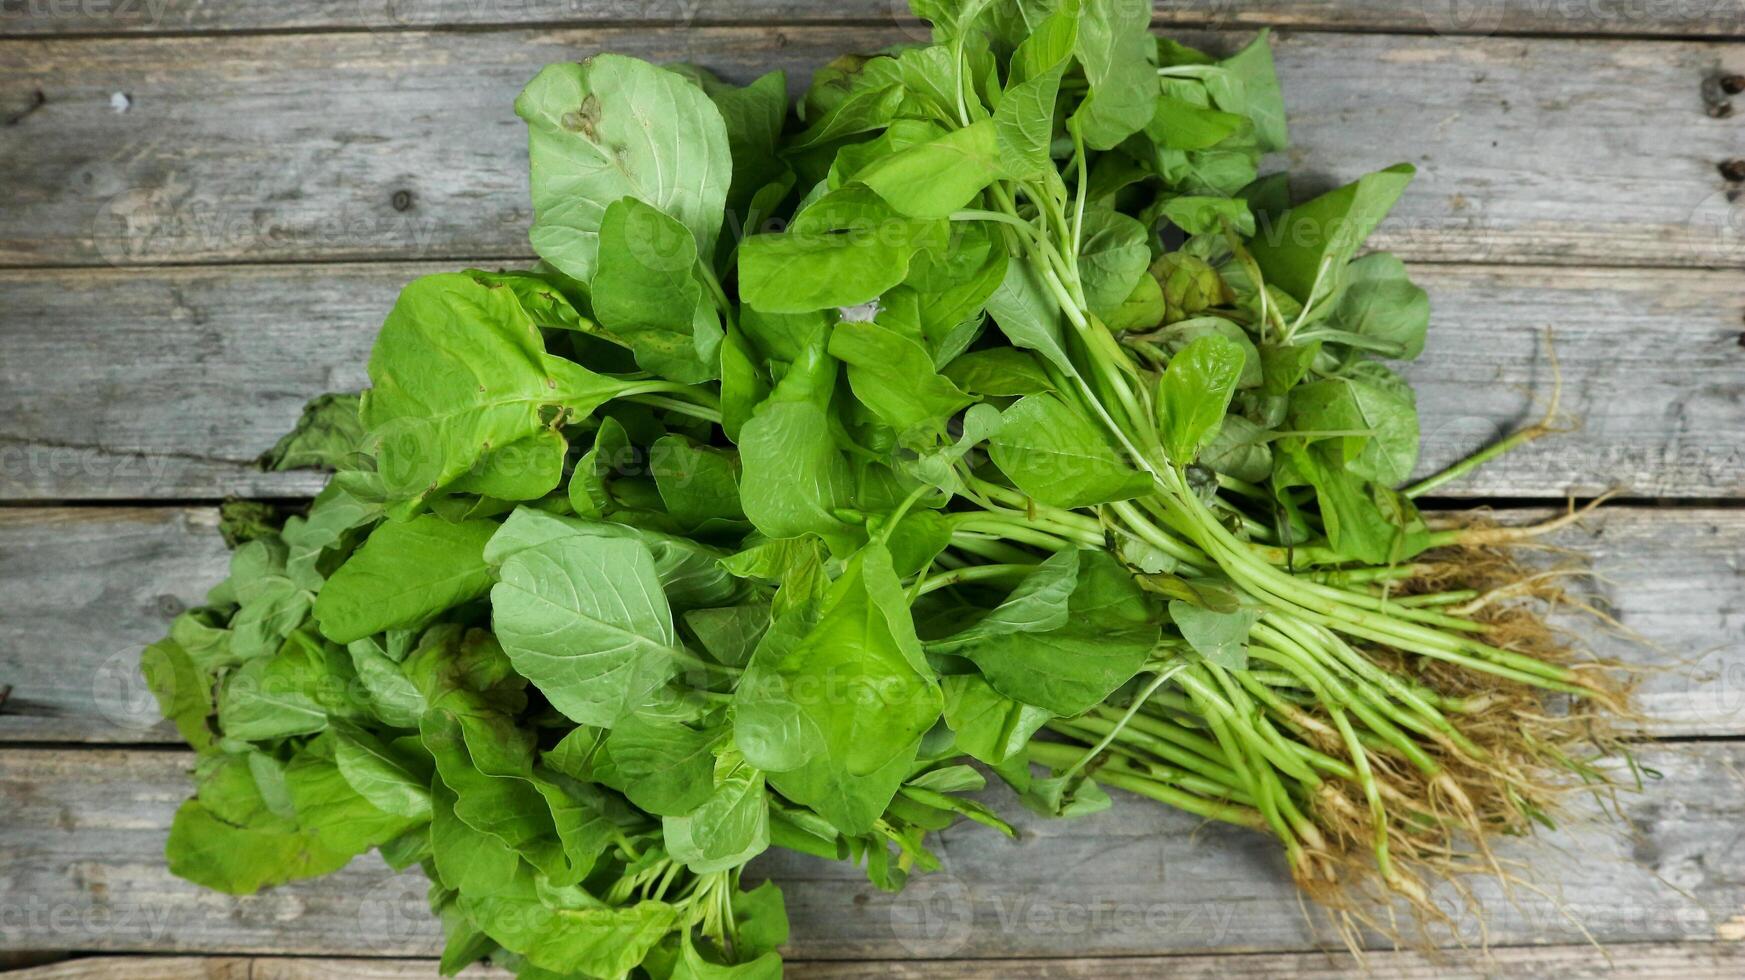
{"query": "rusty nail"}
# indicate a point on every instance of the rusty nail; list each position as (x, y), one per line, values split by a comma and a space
(1733, 170)
(1731, 84)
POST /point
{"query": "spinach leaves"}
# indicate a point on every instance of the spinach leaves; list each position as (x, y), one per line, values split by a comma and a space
(1025, 424)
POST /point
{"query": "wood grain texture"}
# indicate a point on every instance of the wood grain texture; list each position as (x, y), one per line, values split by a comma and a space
(167, 383)
(269, 148)
(83, 590)
(83, 833)
(1622, 17)
(1646, 961)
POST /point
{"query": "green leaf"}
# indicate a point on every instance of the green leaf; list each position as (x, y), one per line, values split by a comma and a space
(664, 767)
(1221, 637)
(584, 619)
(1143, 308)
(690, 572)
(998, 371)
(697, 484)
(842, 250)
(241, 860)
(1373, 405)
(392, 696)
(935, 178)
(1112, 258)
(753, 115)
(1381, 304)
(834, 703)
(956, 279)
(989, 726)
(865, 109)
(341, 818)
(1056, 455)
(728, 828)
(1029, 315)
(794, 477)
(1037, 605)
(1240, 450)
(1358, 528)
(486, 761)
(459, 368)
(1115, 47)
(380, 775)
(1194, 393)
(692, 966)
(1024, 119)
(615, 127)
(406, 574)
(182, 690)
(1305, 252)
(1069, 660)
(763, 919)
(291, 692)
(1201, 215)
(730, 633)
(327, 437)
(1177, 124)
(645, 291)
(587, 488)
(894, 376)
(1249, 85)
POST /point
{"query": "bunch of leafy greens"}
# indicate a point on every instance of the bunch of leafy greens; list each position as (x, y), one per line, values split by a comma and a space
(1031, 408)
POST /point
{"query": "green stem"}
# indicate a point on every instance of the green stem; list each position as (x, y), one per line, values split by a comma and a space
(971, 573)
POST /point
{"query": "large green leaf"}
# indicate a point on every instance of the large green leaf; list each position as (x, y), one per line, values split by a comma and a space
(1024, 119)
(1304, 252)
(893, 375)
(728, 828)
(1115, 47)
(645, 291)
(795, 477)
(615, 127)
(406, 574)
(458, 369)
(834, 702)
(843, 249)
(584, 619)
(1109, 630)
(1194, 392)
(1055, 454)
(935, 178)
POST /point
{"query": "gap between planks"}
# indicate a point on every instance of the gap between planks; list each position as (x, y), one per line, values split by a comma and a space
(42, 18)
(1643, 961)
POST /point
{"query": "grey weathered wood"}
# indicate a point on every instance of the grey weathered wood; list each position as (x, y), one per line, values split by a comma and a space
(36, 17)
(265, 148)
(1648, 961)
(83, 833)
(167, 383)
(82, 590)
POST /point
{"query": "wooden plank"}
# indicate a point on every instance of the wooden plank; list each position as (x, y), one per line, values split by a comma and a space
(83, 590)
(266, 148)
(84, 831)
(1648, 961)
(24, 18)
(167, 383)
